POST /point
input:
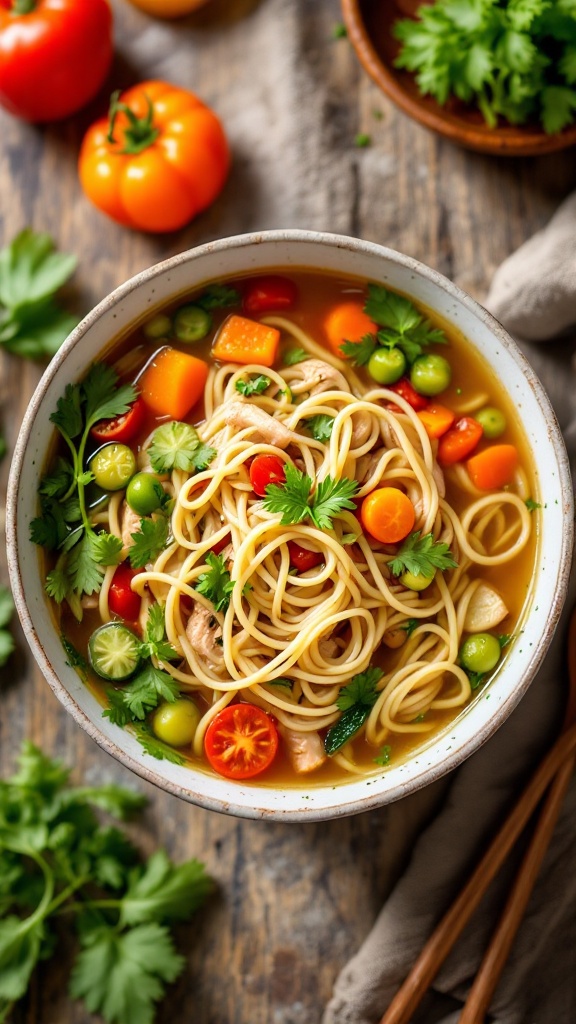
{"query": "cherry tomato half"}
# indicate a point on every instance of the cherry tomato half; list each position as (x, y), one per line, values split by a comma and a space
(122, 600)
(121, 428)
(407, 392)
(241, 741)
(303, 558)
(460, 441)
(269, 293)
(264, 470)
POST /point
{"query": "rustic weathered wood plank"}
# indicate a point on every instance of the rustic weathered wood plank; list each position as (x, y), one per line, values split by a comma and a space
(294, 901)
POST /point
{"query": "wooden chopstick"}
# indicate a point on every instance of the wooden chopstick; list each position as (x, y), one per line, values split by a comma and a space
(451, 926)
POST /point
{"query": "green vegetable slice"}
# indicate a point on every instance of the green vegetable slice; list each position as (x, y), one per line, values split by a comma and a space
(114, 651)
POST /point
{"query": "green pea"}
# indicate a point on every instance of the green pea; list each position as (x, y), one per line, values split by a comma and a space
(387, 365)
(144, 493)
(192, 323)
(413, 582)
(430, 374)
(480, 652)
(176, 723)
(160, 326)
(113, 466)
(492, 421)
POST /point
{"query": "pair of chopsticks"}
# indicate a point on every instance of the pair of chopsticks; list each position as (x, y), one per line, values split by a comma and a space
(554, 774)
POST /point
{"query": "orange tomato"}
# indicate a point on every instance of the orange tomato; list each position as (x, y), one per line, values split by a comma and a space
(160, 158)
(168, 8)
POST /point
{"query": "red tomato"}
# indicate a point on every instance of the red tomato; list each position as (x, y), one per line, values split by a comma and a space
(121, 428)
(167, 161)
(270, 293)
(264, 470)
(459, 442)
(303, 558)
(122, 600)
(220, 544)
(241, 741)
(54, 57)
(407, 392)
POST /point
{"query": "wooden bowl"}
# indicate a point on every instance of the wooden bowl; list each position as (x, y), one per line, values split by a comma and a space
(369, 25)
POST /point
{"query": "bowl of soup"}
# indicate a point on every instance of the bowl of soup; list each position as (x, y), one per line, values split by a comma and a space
(289, 525)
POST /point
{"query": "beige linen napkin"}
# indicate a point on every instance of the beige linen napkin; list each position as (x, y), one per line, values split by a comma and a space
(533, 292)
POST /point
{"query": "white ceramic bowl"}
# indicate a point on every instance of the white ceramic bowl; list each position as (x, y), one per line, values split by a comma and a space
(224, 259)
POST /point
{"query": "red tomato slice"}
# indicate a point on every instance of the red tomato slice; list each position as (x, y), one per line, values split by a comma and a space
(122, 600)
(241, 741)
(270, 293)
(407, 392)
(220, 544)
(303, 558)
(460, 441)
(264, 470)
(121, 428)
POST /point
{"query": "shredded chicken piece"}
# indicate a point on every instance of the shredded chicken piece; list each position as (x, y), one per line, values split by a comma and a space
(129, 524)
(305, 749)
(202, 631)
(266, 429)
(485, 611)
(328, 648)
(367, 465)
(317, 376)
(361, 428)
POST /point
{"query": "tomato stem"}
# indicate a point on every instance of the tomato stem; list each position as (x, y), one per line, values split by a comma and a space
(23, 6)
(140, 132)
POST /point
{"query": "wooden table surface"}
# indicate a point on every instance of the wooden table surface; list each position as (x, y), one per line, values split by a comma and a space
(294, 901)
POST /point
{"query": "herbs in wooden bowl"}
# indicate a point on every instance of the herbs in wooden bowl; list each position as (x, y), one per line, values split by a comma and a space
(493, 75)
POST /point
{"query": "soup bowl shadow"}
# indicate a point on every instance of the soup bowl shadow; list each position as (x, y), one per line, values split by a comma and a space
(133, 302)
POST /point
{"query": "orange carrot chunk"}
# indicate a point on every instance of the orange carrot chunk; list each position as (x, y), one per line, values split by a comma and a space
(437, 419)
(241, 340)
(494, 467)
(387, 514)
(173, 382)
(460, 441)
(347, 322)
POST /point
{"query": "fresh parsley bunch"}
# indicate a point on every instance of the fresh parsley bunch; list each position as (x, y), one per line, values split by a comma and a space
(515, 59)
(295, 501)
(58, 862)
(32, 324)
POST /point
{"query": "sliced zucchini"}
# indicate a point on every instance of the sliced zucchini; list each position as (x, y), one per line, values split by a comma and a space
(114, 651)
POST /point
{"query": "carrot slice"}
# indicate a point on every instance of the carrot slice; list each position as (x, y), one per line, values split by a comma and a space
(460, 441)
(494, 467)
(437, 419)
(173, 382)
(388, 514)
(241, 340)
(347, 322)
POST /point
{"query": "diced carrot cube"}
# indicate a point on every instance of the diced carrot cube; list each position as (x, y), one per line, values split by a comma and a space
(241, 340)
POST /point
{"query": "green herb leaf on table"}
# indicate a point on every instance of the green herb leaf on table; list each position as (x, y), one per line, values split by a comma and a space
(216, 585)
(293, 498)
(162, 892)
(422, 556)
(176, 445)
(31, 273)
(148, 541)
(254, 386)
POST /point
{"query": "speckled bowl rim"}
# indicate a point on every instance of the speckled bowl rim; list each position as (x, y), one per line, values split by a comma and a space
(342, 806)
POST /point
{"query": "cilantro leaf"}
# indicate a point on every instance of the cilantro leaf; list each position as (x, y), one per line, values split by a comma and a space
(58, 583)
(320, 427)
(106, 548)
(105, 398)
(143, 693)
(422, 556)
(216, 585)
(154, 747)
(30, 269)
(163, 892)
(84, 573)
(122, 974)
(359, 352)
(331, 498)
(409, 626)
(20, 945)
(148, 542)
(532, 505)
(384, 757)
(176, 445)
(558, 108)
(75, 660)
(292, 498)
(254, 386)
(292, 356)
(218, 296)
(37, 333)
(68, 415)
(360, 690)
(155, 643)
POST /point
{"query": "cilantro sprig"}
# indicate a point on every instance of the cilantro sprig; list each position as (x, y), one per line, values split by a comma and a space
(514, 59)
(64, 524)
(355, 700)
(57, 858)
(295, 501)
(422, 556)
(254, 386)
(32, 323)
(176, 445)
(215, 584)
(320, 427)
(401, 325)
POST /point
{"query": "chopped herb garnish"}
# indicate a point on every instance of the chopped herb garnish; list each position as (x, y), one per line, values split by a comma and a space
(409, 626)
(286, 683)
(504, 639)
(154, 747)
(355, 701)
(177, 446)
(254, 386)
(532, 505)
(422, 556)
(75, 660)
(148, 542)
(384, 756)
(362, 140)
(295, 355)
(293, 499)
(359, 352)
(155, 644)
(320, 427)
(218, 296)
(216, 585)
(402, 325)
